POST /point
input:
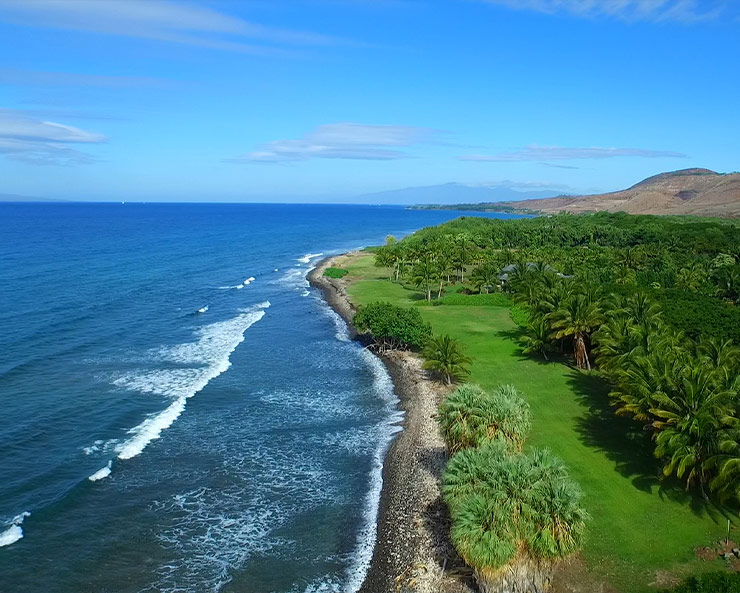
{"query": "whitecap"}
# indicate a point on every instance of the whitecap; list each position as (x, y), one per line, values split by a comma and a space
(15, 532)
(203, 309)
(103, 472)
(308, 257)
(249, 280)
(211, 352)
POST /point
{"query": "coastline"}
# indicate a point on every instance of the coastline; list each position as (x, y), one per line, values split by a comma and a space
(412, 550)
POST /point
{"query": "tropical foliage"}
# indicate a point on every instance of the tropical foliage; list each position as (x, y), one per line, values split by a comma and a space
(651, 302)
(513, 515)
(470, 417)
(393, 327)
(444, 355)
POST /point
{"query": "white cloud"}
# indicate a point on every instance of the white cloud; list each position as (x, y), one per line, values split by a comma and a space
(18, 76)
(558, 153)
(163, 20)
(686, 11)
(33, 140)
(342, 141)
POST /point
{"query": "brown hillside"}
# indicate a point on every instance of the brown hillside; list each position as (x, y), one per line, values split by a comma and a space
(691, 191)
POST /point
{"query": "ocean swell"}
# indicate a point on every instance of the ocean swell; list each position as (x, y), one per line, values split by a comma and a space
(208, 356)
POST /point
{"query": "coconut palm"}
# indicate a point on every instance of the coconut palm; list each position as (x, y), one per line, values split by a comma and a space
(576, 318)
(726, 463)
(484, 277)
(690, 419)
(425, 272)
(537, 338)
(444, 355)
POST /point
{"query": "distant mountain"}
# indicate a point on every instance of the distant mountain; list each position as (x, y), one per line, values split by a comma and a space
(699, 192)
(17, 198)
(451, 193)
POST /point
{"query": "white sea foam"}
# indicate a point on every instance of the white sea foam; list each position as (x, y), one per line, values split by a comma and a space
(15, 532)
(383, 385)
(305, 293)
(100, 445)
(210, 352)
(203, 309)
(249, 281)
(103, 472)
(308, 257)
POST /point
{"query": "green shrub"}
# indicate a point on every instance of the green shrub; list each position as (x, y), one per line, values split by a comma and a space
(393, 327)
(470, 417)
(335, 272)
(512, 509)
(710, 582)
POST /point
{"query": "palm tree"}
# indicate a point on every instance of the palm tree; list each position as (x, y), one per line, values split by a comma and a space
(514, 516)
(425, 272)
(537, 339)
(691, 418)
(726, 482)
(470, 417)
(444, 355)
(577, 317)
(484, 277)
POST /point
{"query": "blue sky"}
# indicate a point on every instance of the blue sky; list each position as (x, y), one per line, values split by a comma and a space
(324, 100)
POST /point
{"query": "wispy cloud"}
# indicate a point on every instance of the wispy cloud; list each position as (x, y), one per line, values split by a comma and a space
(342, 141)
(559, 153)
(162, 20)
(685, 11)
(32, 140)
(22, 77)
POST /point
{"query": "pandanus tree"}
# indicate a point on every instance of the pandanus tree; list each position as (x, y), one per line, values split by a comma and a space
(471, 417)
(514, 516)
(445, 356)
(576, 318)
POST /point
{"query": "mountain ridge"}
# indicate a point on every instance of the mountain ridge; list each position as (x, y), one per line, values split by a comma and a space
(698, 192)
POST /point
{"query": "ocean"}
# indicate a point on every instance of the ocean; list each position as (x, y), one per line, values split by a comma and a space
(181, 412)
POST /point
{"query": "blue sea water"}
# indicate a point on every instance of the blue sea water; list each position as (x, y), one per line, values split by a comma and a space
(180, 411)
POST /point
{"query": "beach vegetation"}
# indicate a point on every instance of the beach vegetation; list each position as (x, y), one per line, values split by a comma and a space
(471, 416)
(662, 361)
(446, 357)
(393, 327)
(514, 516)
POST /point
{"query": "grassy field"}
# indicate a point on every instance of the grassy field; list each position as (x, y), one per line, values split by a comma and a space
(643, 531)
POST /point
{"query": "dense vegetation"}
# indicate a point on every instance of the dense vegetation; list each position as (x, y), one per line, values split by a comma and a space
(675, 260)
(649, 301)
(393, 327)
(514, 514)
(711, 582)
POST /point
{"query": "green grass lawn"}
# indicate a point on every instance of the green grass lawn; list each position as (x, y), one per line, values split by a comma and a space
(641, 528)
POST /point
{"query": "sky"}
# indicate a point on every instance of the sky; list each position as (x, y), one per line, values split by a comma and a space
(329, 100)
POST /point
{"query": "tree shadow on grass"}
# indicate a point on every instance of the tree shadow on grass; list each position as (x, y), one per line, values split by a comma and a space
(629, 446)
(517, 334)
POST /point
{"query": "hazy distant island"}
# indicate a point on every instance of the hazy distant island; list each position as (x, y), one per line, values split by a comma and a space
(698, 192)
(571, 392)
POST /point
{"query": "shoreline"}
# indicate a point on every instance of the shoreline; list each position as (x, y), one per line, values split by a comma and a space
(412, 550)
